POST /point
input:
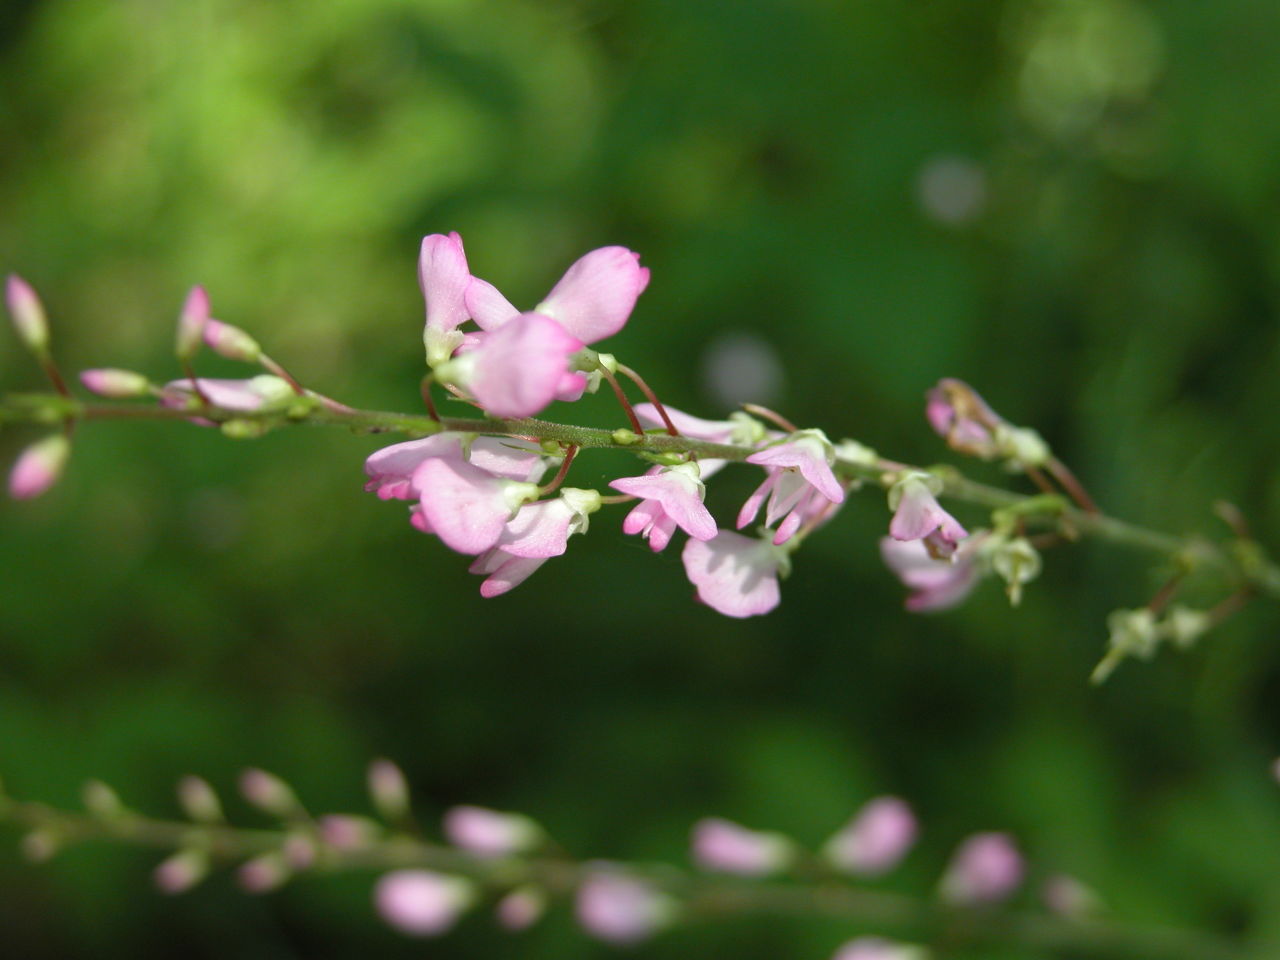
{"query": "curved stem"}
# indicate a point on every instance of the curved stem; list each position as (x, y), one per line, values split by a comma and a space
(650, 396)
(703, 897)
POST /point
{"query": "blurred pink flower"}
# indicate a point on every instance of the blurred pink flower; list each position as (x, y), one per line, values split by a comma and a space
(986, 868)
(621, 909)
(918, 515)
(421, 903)
(489, 833)
(938, 584)
(723, 845)
(875, 840)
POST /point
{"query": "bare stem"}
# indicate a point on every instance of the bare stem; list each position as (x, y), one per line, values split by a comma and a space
(622, 399)
(650, 396)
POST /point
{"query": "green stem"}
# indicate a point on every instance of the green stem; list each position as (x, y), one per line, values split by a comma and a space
(52, 409)
(703, 897)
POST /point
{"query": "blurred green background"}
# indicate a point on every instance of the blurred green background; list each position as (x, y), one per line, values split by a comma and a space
(1073, 204)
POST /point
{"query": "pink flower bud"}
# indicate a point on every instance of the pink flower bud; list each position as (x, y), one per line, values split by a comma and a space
(489, 833)
(27, 313)
(421, 903)
(268, 793)
(38, 467)
(621, 909)
(116, 384)
(231, 342)
(346, 832)
(100, 800)
(521, 908)
(875, 840)
(263, 874)
(298, 850)
(1068, 897)
(876, 948)
(198, 801)
(388, 790)
(181, 872)
(986, 868)
(726, 846)
(191, 323)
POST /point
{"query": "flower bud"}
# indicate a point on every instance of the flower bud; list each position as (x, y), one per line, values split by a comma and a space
(39, 466)
(27, 313)
(299, 849)
(876, 948)
(521, 908)
(621, 909)
(1183, 626)
(875, 840)
(41, 844)
(1017, 562)
(986, 868)
(1134, 633)
(198, 801)
(182, 871)
(422, 903)
(269, 793)
(231, 342)
(388, 790)
(725, 846)
(489, 833)
(343, 831)
(191, 323)
(100, 800)
(263, 874)
(116, 384)
(1068, 897)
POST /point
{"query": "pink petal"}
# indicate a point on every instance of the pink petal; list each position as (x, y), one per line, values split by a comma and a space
(391, 468)
(443, 277)
(597, 293)
(876, 840)
(420, 902)
(679, 496)
(513, 459)
(538, 531)
(519, 366)
(735, 575)
(466, 507)
(508, 574)
(489, 307)
(716, 431)
(807, 457)
(752, 506)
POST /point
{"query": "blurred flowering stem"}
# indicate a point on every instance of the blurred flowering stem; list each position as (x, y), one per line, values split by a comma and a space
(703, 897)
(1247, 566)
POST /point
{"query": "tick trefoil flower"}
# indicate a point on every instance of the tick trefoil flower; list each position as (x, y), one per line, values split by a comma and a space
(422, 903)
(736, 575)
(917, 515)
(800, 484)
(877, 948)
(39, 466)
(521, 908)
(391, 469)
(264, 392)
(182, 871)
(489, 833)
(467, 506)
(269, 793)
(875, 840)
(389, 790)
(231, 342)
(620, 909)
(986, 868)
(936, 584)
(672, 497)
(537, 533)
(729, 848)
(741, 428)
(28, 316)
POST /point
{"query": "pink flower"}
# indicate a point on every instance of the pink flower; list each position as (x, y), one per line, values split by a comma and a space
(181, 871)
(621, 909)
(27, 314)
(444, 278)
(537, 533)
(117, 384)
(938, 584)
(875, 840)
(522, 366)
(986, 868)
(421, 903)
(488, 833)
(740, 428)
(672, 497)
(191, 322)
(521, 908)
(391, 469)
(465, 506)
(593, 299)
(800, 484)
(918, 515)
(239, 396)
(735, 575)
(39, 466)
(961, 417)
(726, 846)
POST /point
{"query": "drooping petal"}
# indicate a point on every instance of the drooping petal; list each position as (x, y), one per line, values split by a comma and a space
(679, 490)
(597, 293)
(489, 307)
(648, 519)
(809, 452)
(519, 366)
(918, 515)
(734, 575)
(937, 584)
(504, 571)
(467, 507)
(391, 469)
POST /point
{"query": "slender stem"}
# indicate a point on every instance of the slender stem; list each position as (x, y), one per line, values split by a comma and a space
(51, 409)
(272, 367)
(195, 384)
(51, 371)
(1072, 485)
(622, 399)
(563, 472)
(1040, 480)
(772, 416)
(703, 897)
(650, 396)
(427, 400)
